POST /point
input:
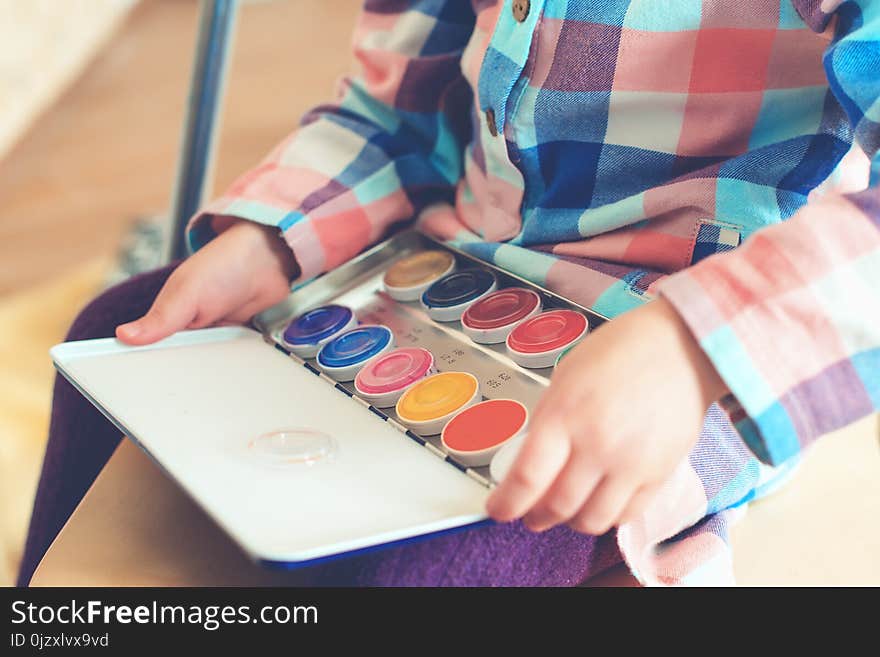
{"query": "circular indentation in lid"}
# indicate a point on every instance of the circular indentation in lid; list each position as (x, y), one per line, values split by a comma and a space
(485, 425)
(293, 446)
(317, 324)
(501, 308)
(354, 346)
(547, 331)
(458, 288)
(437, 396)
(418, 269)
(395, 370)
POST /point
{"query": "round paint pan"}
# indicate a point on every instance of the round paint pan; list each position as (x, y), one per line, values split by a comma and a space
(344, 356)
(428, 405)
(448, 298)
(538, 341)
(307, 333)
(408, 278)
(564, 354)
(504, 457)
(475, 434)
(385, 378)
(491, 319)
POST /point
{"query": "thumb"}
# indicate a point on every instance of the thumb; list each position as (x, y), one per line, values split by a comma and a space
(173, 310)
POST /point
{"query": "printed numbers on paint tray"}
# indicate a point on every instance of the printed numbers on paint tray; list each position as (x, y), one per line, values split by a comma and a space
(411, 336)
(497, 382)
(448, 358)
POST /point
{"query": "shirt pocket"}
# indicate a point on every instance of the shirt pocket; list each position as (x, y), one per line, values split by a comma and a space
(714, 237)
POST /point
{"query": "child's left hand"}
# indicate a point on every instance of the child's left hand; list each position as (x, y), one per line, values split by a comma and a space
(622, 411)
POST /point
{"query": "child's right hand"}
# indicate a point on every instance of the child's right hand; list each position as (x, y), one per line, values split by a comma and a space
(622, 412)
(241, 272)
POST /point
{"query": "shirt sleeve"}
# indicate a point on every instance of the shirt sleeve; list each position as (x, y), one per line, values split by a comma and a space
(791, 319)
(390, 144)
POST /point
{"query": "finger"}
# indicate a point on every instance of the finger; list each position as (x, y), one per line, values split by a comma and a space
(207, 316)
(174, 309)
(567, 495)
(544, 452)
(602, 509)
(244, 314)
(637, 505)
(226, 322)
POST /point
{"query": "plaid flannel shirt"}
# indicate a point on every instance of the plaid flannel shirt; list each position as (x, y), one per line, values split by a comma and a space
(614, 150)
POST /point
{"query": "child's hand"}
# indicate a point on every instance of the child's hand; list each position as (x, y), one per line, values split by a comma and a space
(622, 410)
(241, 272)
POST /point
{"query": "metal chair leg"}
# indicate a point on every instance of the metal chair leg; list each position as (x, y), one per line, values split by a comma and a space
(194, 167)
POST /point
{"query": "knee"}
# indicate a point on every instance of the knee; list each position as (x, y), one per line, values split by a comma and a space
(122, 303)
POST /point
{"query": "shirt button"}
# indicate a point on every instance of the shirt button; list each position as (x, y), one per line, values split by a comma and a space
(490, 122)
(521, 9)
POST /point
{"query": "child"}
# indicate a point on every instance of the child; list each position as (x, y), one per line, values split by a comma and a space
(616, 151)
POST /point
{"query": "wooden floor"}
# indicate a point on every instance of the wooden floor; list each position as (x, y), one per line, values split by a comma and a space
(104, 155)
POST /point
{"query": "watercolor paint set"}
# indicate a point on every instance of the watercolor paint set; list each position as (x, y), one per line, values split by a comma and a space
(376, 404)
(450, 350)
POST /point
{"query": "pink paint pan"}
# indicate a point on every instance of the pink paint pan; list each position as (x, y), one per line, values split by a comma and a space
(383, 380)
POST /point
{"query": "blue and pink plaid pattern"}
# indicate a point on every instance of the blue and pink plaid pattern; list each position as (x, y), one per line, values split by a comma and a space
(612, 150)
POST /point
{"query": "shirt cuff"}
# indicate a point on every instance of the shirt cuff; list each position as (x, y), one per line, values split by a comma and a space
(759, 419)
(205, 225)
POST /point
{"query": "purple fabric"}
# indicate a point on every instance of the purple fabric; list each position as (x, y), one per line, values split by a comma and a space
(811, 12)
(869, 203)
(589, 61)
(826, 401)
(81, 441)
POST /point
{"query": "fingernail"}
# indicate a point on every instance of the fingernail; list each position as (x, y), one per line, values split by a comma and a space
(131, 330)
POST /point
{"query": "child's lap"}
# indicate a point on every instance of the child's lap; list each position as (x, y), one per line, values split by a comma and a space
(122, 303)
(494, 555)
